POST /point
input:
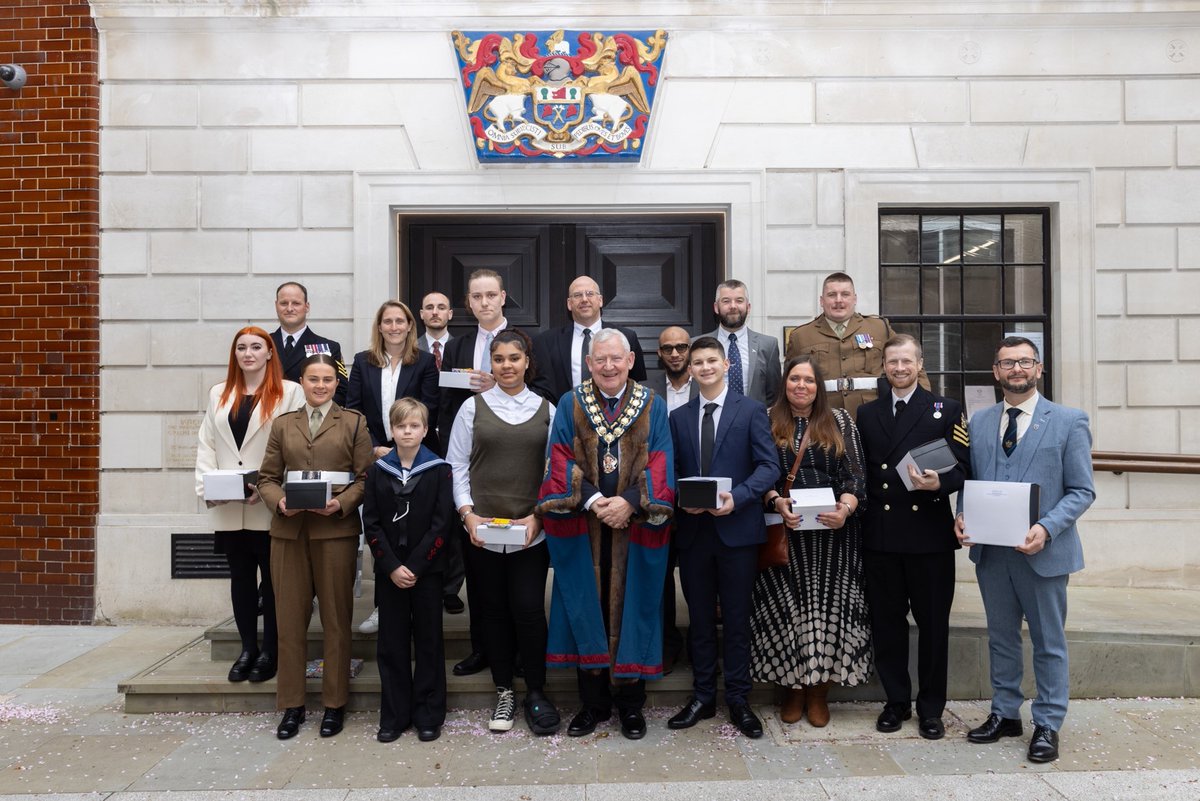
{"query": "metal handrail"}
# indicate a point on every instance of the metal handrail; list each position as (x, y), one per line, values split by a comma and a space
(1120, 462)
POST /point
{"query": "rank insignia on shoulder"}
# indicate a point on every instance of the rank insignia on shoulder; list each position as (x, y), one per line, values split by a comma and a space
(342, 371)
(959, 433)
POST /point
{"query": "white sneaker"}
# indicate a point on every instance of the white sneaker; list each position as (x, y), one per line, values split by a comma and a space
(371, 624)
(506, 705)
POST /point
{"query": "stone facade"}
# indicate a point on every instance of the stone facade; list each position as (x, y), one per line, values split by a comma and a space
(248, 142)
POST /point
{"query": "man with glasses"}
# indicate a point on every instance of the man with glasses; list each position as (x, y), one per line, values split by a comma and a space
(1026, 438)
(558, 354)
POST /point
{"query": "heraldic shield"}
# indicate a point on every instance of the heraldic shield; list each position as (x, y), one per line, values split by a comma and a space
(583, 95)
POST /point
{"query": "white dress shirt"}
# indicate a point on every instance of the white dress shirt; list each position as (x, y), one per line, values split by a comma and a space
(906, 398)
(716, 415)
(678, 397)
(388, 376)
(743, 343)
(513, 410)
(295, 335)
(1024, 419)
(481, 343)
(429, 340)
(576, 345)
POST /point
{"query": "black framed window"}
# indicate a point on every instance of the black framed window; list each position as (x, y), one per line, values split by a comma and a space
(960, 280)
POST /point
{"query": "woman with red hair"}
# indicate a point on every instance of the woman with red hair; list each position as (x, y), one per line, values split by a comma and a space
(233, 436)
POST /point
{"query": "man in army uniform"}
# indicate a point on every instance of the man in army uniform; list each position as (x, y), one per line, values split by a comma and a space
(847, 346)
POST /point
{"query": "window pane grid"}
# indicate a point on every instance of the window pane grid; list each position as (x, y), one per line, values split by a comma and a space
(958, 280)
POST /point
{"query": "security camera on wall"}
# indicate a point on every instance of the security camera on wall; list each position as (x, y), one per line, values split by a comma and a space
(12, 75)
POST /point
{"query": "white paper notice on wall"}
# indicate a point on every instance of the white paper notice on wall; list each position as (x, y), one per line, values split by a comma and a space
(978, 398)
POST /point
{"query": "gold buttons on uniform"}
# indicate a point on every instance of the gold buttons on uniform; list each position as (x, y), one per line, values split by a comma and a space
(885, 486)
(914, 507)
(887, 507)
(883, 467)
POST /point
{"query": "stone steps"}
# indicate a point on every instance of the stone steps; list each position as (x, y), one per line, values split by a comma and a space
(1123, 643)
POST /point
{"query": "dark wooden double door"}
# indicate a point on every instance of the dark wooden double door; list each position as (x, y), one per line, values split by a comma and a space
(653, 270)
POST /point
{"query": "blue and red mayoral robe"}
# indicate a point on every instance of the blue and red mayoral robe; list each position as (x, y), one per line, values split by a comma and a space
(576, 634)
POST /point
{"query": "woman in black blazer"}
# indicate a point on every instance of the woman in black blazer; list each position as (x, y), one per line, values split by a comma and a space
(409, 373)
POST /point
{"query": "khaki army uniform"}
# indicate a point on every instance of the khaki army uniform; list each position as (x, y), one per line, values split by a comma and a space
(858, 355)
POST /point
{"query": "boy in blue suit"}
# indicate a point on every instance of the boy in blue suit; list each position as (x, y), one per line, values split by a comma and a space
(1029, 439)
(721, 433)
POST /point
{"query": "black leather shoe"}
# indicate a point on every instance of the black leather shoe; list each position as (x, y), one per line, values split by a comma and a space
(387, 735)
(471, 665)
(585, 722)
(932, 728)
(331, 722)
(994, 728)
(633, 724)
(293, 716)
(427, 734)
(742, 716)
(263, 669)
(692, 713)
(540, 714)
(1043, 746)
(892, 717)
(242, 666)
(453, 604)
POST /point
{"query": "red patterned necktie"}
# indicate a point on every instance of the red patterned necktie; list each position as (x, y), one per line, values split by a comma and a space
(437, 355)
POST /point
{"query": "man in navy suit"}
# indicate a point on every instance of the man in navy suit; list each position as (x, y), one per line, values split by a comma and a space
(295, 341)
(908, 536)
(721, 433)
(1026, 438)
(558, 354)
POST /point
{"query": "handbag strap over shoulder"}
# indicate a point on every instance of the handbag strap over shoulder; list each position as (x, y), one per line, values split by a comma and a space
(801, 447)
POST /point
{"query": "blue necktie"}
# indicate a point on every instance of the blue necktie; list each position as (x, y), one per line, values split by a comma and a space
(1010, 433)
(735, 366)
(485, 358)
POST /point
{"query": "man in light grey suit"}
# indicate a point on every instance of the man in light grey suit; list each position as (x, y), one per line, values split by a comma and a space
(1029, 439)
(754, 368)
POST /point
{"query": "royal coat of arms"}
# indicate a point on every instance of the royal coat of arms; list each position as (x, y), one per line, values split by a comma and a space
(578, 94)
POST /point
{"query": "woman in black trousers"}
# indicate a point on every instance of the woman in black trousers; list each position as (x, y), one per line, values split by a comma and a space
(498, 451)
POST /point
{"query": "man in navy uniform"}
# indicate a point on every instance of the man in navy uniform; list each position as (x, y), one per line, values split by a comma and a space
(908, 536)
(295, 341)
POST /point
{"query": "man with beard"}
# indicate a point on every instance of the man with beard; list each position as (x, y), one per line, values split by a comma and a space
(908, 537)
(676, 387)
(753, 357)
(606, 503)
(436, 314)
(847, 346)
(1027, 438)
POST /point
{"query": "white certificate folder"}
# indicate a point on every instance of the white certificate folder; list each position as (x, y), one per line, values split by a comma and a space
(999, 512)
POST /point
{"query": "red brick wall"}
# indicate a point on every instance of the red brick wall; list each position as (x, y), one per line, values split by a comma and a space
(49, 314)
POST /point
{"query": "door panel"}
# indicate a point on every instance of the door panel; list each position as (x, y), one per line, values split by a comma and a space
(654, 270)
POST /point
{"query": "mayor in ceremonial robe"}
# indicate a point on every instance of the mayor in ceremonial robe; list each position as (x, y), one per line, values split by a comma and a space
(606, 501)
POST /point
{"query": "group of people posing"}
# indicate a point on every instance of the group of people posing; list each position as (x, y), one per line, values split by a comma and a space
(562, 436)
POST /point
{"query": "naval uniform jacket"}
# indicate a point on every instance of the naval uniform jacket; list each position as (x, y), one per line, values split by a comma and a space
(896, 520)
(308, 344)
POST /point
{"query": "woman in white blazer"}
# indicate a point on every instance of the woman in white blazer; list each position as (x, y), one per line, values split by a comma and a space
(233, 436)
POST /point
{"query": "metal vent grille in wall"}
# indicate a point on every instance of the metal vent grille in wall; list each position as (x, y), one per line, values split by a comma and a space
(192, 557)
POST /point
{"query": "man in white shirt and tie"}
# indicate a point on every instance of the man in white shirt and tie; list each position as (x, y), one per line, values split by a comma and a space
(754, 369)
(436, 314)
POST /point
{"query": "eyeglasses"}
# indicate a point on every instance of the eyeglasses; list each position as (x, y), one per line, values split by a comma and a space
(606, 361)
(589, 294)
(683, 348)
(1008, 364)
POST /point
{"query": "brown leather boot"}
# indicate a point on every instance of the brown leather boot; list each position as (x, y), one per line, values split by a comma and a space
(817, 708)
(792, 708)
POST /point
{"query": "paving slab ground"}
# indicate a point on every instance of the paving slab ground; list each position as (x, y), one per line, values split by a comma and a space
(63, 735)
